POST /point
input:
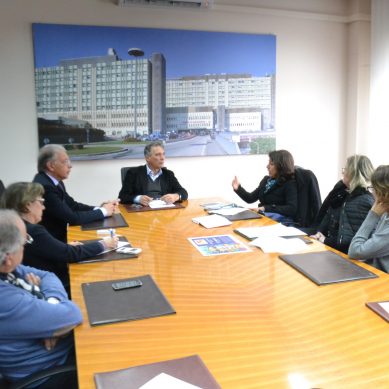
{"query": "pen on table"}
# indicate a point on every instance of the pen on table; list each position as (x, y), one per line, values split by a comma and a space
(112, 232)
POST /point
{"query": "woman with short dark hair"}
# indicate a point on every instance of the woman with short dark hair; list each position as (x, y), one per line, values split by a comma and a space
(277, 192)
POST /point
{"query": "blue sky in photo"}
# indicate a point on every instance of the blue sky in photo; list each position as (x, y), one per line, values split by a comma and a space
(187, 53)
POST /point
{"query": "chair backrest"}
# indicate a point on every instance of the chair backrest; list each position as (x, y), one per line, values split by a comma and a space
(2, 188)
(123, 172)
(309, 198)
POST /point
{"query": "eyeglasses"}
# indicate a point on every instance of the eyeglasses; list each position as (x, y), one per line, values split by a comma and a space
(42, 201)
(66, 162)
(29, 239)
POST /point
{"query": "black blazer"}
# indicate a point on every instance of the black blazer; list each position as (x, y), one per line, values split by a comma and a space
(135, 184)
(49, 253)
(281, 198)
(62, 209)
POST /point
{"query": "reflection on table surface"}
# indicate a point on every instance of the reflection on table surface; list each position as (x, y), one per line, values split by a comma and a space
(254, 320)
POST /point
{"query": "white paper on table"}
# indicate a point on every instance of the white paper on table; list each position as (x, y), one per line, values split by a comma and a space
(384, 306)
(212, 221)
(228, 211)
(268, 231)
(164, 380)
(276, 244)
(160, 204)
(120, 244)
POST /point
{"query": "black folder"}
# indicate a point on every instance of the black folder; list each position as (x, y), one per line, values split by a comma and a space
(114, 221)
(110, 255)
(326, 267)
(188, 369)
(244, 215)
(105, 305)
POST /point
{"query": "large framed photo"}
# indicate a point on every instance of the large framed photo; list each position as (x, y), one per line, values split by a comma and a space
(104, 92)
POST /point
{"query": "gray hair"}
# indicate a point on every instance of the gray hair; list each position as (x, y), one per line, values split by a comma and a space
(149, 146)
(48, 153)
(10, 236)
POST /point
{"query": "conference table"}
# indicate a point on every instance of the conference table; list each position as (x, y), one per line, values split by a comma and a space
(255, 321)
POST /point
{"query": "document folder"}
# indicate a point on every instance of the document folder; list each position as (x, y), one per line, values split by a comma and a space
(378, 308)
(105, 305)
(191, 370)
(111, 255)
(326, 267)
(114, 221)
(244, 215)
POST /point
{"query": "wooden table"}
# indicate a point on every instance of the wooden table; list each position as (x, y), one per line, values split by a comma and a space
(255, 321)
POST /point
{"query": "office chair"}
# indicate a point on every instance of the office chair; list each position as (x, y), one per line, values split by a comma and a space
(47, 373)
(123, 172)
(2, 188)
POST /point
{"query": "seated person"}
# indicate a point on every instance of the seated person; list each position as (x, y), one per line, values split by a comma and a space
(277, 192)
(36, 316)
(61, 209)
(371, 242)
(47, 252)
(348, 206)
(151, 181)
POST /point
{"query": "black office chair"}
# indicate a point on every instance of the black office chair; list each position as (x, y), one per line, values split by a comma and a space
(309, 198)
(123, 172)
(2, 188)
(35, 377)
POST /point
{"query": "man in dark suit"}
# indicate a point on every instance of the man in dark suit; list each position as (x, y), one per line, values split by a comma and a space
(151, 181)
(61, 209)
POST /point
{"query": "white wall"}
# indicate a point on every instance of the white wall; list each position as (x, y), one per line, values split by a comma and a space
(311, 88)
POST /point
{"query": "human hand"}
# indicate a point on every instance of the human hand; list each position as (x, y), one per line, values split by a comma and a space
(145, 200)
(109, 207)
(318, 236)
(170, 198)
(75, 243)
(50, 343)
(110, 242)
(33, 279)
(379, 207)
(235, 183)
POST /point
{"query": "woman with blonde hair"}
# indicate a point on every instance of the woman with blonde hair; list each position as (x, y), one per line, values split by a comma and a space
(349, 206)
(371, 242)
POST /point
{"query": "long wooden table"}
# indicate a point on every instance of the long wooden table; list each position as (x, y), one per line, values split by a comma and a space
(255, 321)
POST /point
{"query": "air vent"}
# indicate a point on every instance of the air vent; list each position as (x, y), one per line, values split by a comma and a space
(168, 3)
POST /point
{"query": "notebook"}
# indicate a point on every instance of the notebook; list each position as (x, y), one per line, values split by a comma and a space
(114, 221)
(211, 221)
(190, 370)
(105, 305)
(326, 267)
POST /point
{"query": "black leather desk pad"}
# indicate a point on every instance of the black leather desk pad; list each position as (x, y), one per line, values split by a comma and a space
(105, 305)
(114, 221)
(326, 267)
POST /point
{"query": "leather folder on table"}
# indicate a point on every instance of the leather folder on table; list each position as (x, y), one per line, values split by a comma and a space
(326, 267)
(110, 255)
(244, 215)
(379, 308)
(139, 208)
(114, 221)
(191, 370)
(106, 305)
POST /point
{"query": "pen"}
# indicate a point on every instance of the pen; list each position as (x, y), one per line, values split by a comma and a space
(111, 231)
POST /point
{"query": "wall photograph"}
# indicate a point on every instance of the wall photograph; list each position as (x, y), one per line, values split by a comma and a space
(104, 92)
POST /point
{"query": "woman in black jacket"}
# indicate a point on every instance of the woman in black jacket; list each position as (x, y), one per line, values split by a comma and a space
(277, 192)
(348, 204)
(45, 251)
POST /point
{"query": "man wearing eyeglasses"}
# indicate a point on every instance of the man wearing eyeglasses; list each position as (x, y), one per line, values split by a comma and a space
(36, 316)
(54, 166)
